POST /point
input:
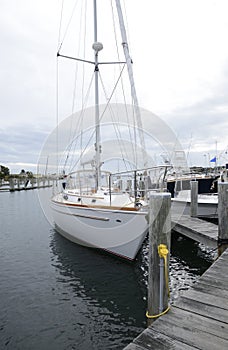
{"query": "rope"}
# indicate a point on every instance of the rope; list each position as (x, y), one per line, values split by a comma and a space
(158, 315)
(163, 253)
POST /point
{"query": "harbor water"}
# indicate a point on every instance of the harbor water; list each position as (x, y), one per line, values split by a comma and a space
(57, 295)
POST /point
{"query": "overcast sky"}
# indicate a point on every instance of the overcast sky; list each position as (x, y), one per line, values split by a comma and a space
(180, 54)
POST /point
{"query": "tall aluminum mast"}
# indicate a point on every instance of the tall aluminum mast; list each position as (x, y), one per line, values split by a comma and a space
(97, 47)
(132, 83)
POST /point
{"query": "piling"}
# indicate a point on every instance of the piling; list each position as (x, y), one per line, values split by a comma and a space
(159, 245)
(32, 181)
(194, 198)
(18, 183)
(11, 184)
(222, 217)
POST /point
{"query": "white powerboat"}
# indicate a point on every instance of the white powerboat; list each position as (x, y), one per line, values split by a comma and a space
(207, 203)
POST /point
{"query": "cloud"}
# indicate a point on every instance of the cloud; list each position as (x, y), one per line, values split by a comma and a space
(27, 70)
(202, 127)
(21, 145)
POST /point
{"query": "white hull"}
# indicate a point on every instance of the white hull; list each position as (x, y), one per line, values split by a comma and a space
(207, 204)
(120, 232)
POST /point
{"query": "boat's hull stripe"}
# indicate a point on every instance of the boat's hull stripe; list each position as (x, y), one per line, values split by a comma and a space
(83, 216)
(96, 206)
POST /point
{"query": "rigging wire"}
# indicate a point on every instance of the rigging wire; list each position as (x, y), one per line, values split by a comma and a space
(82, 32)
(84, 101)
(59, 45)
(68, 25)
(60, 24)
(84, 50)
(71, 149)
(116, 127)
(75, 87)
(189, 147)
(80, 123)
(76, 67)
(122, 84)
(102, 115)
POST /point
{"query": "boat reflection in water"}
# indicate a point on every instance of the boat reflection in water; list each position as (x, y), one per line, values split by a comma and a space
(104, 291)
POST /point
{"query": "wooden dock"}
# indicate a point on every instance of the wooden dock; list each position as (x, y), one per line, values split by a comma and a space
(17, 184)
(29, 188)
(197, 229)
(198, 320)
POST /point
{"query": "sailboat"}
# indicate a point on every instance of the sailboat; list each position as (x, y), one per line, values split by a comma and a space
(93, 209)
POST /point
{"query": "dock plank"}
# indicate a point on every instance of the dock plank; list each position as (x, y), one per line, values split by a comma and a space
(134, 346)
(206, 298)
(214, 280)
(215, 274)
(188, 330)
(184, 318)
(200, 308)
(197, 320)
(196, 229)
(222, 263)
(154, 339)
(212, 290)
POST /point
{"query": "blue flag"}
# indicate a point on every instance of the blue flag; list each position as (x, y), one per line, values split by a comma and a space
(213, 160)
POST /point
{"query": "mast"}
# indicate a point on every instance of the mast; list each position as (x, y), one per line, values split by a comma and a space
(97, 47)
(131, 79)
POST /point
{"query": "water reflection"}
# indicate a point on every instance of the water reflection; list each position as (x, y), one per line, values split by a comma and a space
(103, 289)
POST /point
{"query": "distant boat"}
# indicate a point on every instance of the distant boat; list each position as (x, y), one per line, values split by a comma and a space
(206, 183)
(207, 193)
(207, 203)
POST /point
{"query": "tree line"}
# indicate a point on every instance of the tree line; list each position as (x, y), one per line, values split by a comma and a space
(5, 173)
